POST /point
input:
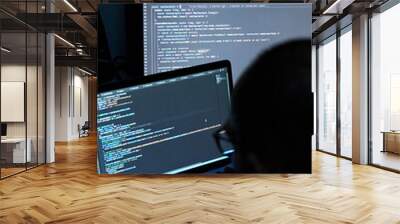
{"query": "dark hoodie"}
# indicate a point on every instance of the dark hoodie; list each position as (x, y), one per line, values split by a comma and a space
(272, 112)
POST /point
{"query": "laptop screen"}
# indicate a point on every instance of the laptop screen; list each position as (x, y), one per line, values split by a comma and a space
(164, 123)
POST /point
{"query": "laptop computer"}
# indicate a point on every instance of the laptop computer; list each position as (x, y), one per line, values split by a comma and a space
(164, 123)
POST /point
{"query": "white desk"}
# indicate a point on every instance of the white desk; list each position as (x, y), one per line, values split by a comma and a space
(19, 153)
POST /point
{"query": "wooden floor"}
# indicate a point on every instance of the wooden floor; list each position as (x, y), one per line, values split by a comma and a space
(5, 172)
(386, 159)
(70, 191)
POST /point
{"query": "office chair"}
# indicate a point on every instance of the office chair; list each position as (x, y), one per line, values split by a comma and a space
(84, 130)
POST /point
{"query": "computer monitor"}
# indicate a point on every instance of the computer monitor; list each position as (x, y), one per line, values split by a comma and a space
(144, 39)
(3, 130)
(164, 123)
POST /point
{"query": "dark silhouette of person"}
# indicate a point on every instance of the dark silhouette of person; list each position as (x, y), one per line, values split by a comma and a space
(271, 120)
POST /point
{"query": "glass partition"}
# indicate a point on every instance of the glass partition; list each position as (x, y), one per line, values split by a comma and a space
(327, 95)
(32, 98)
(346, 93)
(41, 107)
(14, 152)
(22, 89)
(385, 89)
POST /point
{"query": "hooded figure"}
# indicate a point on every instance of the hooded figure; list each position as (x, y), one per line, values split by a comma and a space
(271, 121)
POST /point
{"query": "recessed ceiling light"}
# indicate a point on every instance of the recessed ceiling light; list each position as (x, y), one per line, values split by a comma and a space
(328, 10)
(65, 41)
(5, 50)
(84, 71)
(70, 5)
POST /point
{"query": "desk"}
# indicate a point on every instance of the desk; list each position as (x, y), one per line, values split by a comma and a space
(13, 150)
(391, 141)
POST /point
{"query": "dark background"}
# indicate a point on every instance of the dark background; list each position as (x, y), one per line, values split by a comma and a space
(120, 43)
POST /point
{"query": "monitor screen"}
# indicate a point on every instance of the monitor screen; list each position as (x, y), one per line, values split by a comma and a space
(144, 39)
(164, 123)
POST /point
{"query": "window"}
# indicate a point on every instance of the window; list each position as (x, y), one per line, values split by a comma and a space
(327, 95)
(385, 89)
(346, 93)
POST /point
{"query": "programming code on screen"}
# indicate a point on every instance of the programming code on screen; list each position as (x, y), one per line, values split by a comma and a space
(164, 126)
(183, 35)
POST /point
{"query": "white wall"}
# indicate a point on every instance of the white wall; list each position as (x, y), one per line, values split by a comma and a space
(9, 73)
(12, 73)
(71, 102)
(33, 126)
(62, 81)
(79, 103)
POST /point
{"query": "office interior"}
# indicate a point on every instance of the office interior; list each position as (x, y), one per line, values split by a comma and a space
(23, 99)
(49, 75)
(335, 74)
